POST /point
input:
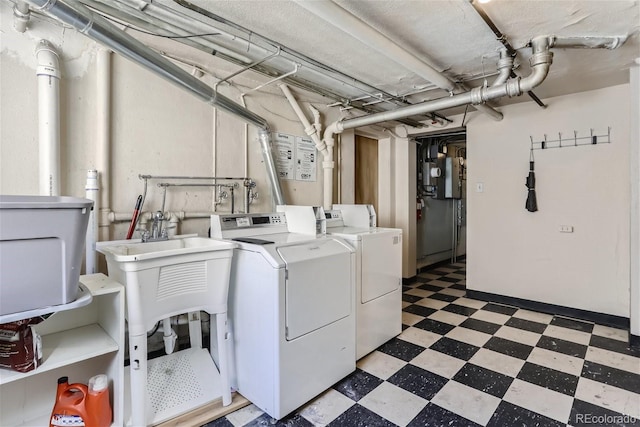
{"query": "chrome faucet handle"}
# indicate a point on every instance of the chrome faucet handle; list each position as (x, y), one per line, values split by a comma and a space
(144, 234)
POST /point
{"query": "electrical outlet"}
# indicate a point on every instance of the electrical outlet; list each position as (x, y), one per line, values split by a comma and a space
(479, 187)
(566, 229)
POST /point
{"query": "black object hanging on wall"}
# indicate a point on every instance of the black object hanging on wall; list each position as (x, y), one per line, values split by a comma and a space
(532, 203)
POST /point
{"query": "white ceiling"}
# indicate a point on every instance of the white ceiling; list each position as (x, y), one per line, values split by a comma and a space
(447, 34)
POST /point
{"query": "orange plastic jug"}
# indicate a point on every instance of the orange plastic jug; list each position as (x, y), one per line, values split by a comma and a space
(98, 406)
(79, 405)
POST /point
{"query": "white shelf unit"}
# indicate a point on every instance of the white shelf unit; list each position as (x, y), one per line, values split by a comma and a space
(77, 343)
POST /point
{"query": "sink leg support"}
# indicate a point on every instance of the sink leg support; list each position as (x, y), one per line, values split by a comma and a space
(223, 355)
(138, 358)
(195, 329)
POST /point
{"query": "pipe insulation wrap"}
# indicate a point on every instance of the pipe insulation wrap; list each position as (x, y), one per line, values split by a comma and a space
(48, 72)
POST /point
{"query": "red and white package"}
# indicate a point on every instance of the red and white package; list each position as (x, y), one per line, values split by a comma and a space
(20, 345)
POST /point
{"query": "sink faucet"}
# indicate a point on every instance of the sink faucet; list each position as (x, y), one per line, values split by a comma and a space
(157, 231)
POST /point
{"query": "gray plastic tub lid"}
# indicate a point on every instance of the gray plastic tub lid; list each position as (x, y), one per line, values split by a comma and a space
(43, 202)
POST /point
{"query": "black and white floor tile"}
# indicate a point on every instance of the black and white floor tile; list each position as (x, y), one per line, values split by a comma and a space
(464, 362)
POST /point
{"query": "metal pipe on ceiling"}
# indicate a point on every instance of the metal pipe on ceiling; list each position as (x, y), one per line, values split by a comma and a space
(540, 62)
(363, 32)
(503, 39)
(100, 30)
(310, 64)
(137, 20)
(125, 12)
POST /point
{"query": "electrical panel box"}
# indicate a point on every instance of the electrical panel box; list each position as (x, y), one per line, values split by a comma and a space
(452, 178)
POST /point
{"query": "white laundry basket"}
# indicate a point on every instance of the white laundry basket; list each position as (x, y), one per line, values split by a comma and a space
(164, 279)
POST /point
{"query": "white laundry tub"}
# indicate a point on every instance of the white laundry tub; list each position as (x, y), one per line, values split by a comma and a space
(170, 277)
(164, 279)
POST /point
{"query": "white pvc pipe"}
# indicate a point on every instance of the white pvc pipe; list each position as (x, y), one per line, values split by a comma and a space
(21, 16)
(245, 144)
(325, 147)
(48, 73)
(91, 256)
(103, 138)
(309, 129)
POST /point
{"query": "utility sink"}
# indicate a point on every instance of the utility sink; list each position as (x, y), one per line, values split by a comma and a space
(169, 277)
(134, 250)
(185, 274)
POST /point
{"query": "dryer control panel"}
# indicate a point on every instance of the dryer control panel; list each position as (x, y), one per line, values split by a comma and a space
(238, 225)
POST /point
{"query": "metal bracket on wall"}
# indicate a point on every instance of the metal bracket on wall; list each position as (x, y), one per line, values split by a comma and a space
(592, 139)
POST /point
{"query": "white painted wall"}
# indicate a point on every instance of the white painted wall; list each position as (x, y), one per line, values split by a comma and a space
(513, 252)
(157, 128)
(634, 166)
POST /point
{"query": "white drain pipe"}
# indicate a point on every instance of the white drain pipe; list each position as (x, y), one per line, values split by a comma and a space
(105, 33)
(48, 73)
(21, 16)
(103, 140)
(313, 131)
(91, 256)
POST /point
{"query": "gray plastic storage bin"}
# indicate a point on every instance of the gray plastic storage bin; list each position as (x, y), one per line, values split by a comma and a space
(41, 249)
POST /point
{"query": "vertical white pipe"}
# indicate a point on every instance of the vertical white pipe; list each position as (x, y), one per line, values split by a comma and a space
(48, 73)
(634, 133)
(214, 163)
(91, 256)
(246, 140)
(324, 146)
(103, 140)
(21, 16)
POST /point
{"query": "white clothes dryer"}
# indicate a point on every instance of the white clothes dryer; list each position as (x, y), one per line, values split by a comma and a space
(378, 273)
(378, 268)
(291, 311)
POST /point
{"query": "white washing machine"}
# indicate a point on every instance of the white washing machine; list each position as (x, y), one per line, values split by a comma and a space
(378, 268)
(291, 311)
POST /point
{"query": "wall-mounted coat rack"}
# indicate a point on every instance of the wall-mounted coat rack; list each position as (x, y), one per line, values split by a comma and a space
(561, 142)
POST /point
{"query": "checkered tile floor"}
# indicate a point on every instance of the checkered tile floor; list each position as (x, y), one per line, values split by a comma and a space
(464, 362)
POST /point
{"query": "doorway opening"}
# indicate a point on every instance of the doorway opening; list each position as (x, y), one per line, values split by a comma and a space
(366, 171)
(441, 197)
